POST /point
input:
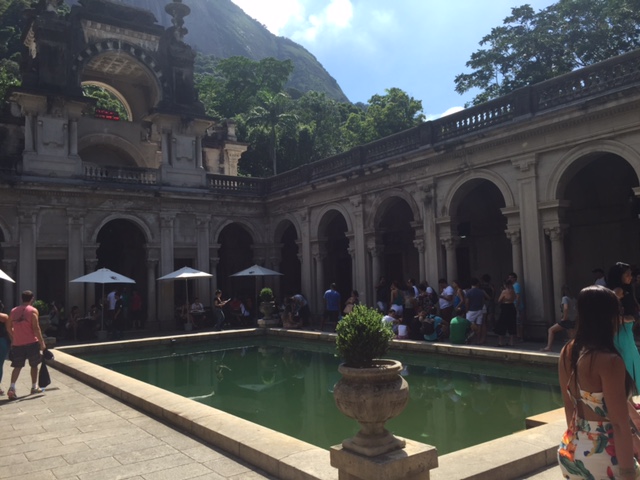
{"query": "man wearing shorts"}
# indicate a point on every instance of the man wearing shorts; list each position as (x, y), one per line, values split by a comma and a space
(23, 327)
(474, 303)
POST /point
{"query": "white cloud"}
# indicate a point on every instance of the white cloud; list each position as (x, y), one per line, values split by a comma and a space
(275, 19)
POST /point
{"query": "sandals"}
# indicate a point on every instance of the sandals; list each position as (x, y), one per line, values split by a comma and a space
(11, 394)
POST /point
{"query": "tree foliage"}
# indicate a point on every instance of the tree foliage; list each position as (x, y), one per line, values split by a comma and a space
(289, 128)
(385, 115)
(530, 46)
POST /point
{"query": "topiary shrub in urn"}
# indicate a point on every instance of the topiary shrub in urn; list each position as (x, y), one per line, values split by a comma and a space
(371, 389)
(267, 306)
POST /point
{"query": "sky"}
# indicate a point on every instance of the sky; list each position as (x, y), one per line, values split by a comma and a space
(369, 46)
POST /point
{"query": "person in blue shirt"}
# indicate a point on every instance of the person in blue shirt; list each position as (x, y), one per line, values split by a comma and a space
(331, 306)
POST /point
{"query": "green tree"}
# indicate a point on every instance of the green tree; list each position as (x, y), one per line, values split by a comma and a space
(531, 47)
(385, 115)
(319, 121)
(272, 115)
(105, 100)
(9, 76)
(231, 86)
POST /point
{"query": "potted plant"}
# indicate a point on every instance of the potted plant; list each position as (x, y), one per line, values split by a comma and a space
(371, 389)
(267, 305)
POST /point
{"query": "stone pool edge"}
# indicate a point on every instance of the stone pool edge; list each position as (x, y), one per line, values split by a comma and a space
(287, 458)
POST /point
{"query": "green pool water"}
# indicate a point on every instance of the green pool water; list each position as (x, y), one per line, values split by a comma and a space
(287, 386)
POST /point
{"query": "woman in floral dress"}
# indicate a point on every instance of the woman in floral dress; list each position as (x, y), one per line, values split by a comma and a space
(596, 388)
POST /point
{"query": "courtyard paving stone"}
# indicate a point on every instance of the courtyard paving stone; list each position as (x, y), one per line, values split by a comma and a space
(74, 432)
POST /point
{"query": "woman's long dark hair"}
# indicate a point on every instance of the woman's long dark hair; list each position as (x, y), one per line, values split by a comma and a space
(597, 324)
(614, 277)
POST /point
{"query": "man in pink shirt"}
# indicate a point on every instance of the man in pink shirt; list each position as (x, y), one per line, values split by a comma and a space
(23, 327)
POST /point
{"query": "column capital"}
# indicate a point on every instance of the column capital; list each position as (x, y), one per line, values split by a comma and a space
(556, 232)
(514, 235)
(214, 261)
(27, 214)
(203, 221)
(9, 265)
(356, 201)
(76, 216)
(90, 264)
(153, 255)
(419, 244)
(166, 220)
(375, 249)
(525, 164)
(449, 242)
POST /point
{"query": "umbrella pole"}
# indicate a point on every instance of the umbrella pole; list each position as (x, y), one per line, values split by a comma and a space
(102, 302)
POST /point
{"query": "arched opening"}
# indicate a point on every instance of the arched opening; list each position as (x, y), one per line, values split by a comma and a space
(121, 248)
(235, 253)
(337, 261)
(290, 265)
(400, 259)
(603, 217)
(127, 72)
(479, 224)
(108, 100)
(106, 155)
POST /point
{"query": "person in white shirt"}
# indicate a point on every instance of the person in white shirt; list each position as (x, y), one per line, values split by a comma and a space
(599, 277)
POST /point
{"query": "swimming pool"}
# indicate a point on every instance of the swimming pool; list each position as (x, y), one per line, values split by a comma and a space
(286, 385)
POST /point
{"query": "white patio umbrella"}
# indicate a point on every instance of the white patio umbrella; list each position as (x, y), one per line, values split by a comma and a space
(256, 271)
(6, 277)
(103, 275)
(185, 273)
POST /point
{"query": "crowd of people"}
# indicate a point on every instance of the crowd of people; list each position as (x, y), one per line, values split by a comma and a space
(459, 312)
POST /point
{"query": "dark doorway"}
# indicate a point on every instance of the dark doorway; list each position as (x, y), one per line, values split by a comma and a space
(480, 226)
(290, 264)
(122, 249)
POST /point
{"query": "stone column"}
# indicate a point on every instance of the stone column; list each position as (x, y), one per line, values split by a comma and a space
(359, 278)
(28, 133)
(199, 152)
(153, 319)
(450, 244)
(90, 265)
(516, 250)
(352, 253)
(430, 237)
(535, 272)
(375, 251)
(166, 307)
(558, 266)
(214, 260)
(419, 244)
(73, 138)
(318, 260)
(306, 260)
(75, 261)
(9, 296)
(202, 260)
(165, 148)
(27, 260)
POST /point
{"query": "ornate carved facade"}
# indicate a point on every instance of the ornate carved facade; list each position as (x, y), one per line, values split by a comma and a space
(543, 182)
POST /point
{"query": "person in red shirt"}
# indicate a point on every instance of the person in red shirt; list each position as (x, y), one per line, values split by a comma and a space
(23, 327)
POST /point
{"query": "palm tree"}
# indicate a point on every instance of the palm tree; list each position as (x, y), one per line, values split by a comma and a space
(272, 115)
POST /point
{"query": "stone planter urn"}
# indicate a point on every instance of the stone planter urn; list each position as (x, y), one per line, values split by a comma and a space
(45, 323)
(372, 396)
(267, 308)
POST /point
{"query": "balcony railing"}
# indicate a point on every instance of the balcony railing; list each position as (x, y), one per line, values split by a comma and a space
(141, 176)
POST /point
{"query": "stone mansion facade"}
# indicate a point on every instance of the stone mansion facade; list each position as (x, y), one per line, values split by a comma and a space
(543, 182)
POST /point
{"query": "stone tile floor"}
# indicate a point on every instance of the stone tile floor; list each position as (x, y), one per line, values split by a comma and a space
(74, 432)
